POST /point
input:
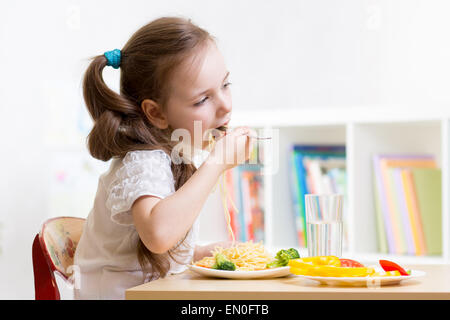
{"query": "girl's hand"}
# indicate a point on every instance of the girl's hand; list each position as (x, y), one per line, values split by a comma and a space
(232, 149)
(206, 251)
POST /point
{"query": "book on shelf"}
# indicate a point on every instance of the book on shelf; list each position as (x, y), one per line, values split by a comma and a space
(402, 208)
(231, 202)
(407, 192)
(245, 188)
(428, 190)
(413, 212)
(315, 169)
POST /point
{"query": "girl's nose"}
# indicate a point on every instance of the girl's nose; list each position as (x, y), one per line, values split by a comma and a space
(224, 104)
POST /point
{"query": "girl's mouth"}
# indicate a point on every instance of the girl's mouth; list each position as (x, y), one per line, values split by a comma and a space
(223, 128)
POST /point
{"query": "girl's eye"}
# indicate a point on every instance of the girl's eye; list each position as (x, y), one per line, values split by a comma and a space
(227, 84)
(201, 102)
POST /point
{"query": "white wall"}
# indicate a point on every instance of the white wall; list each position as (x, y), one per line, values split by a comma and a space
(282, 54)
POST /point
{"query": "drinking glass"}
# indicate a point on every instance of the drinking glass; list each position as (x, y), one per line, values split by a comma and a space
(324, 227)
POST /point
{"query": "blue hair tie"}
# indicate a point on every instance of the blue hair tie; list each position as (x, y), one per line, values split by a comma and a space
(113, 58)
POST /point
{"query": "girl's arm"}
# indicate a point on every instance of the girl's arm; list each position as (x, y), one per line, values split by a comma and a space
(162, 223)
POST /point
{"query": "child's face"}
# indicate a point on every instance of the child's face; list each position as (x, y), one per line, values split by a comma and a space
(199, 91)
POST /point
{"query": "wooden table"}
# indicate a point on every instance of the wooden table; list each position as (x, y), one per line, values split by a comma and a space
(188, 285)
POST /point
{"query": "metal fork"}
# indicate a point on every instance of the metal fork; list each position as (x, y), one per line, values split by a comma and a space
(225, 128)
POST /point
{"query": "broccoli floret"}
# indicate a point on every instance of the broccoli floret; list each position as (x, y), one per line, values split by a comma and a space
(293, 253)
(222, 263)
(282, 258)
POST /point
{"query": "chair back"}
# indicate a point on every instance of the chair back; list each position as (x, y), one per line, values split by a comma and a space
(53, 251)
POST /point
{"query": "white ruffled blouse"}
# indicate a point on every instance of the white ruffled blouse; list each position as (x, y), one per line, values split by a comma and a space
(106, 258)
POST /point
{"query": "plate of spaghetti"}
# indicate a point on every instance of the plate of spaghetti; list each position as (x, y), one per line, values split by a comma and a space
(245, 260)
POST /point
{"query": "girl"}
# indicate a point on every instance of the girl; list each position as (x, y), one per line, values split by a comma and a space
(143, 222)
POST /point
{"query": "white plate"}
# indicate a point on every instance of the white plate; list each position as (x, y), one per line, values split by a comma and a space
(365, 281)
(260, 274)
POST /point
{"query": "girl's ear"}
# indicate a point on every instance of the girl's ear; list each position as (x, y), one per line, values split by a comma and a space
(154, 114)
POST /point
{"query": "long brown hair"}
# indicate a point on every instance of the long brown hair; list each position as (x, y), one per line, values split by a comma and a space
(148, 60)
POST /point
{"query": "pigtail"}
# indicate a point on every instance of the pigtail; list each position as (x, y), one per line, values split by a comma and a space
(116, 119)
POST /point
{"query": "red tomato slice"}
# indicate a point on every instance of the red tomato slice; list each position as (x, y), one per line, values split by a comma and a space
(392, 266)
(351, 263)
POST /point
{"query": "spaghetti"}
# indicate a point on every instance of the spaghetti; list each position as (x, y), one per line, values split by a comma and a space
(224, 194)
(247, 256)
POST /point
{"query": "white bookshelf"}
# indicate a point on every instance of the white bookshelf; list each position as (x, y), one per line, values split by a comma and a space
(364, 131)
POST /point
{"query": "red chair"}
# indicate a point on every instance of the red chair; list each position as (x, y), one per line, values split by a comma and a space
(53, 250)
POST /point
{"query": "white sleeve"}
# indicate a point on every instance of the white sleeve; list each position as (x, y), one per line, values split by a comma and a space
(143, 172)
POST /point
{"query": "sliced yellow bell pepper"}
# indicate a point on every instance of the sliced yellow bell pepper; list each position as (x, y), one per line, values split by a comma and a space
(326, 266)
(320, 261)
